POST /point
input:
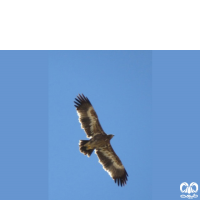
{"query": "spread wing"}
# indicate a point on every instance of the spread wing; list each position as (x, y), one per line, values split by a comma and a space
(112, 164)
(87, 116)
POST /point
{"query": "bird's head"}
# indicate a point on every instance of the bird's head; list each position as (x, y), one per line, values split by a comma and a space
(110, 136)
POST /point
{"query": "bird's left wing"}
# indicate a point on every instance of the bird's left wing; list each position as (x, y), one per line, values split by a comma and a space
(112, 164)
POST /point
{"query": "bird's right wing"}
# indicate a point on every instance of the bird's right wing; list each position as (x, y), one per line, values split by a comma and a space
(87, 116)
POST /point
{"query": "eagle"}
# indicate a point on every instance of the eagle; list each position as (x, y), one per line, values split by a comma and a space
(99, 141)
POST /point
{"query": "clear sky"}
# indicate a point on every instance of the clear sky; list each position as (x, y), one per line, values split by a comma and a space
(118, 84)
(148, 99)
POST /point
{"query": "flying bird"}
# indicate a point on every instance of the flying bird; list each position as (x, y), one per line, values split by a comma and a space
(99, 141)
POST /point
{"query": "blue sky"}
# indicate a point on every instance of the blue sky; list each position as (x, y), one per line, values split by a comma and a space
(118, 84)
(148, 99)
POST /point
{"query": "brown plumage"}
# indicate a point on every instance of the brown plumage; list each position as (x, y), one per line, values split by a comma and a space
(99, 141)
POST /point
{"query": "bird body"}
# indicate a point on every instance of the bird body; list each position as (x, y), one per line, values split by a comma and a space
(99, 141)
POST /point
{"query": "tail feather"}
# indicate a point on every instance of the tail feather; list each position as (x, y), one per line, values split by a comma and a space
(84, 148)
